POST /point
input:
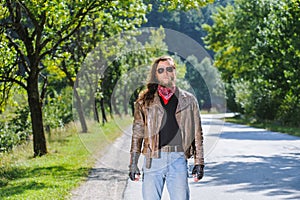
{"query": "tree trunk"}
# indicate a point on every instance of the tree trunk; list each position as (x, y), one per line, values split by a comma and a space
(35, 106)
(104, 119)
(80, 112)
(77, 103)
(115, 108)
(96, 114)
(125, 101)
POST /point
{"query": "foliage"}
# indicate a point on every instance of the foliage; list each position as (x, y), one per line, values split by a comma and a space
(15, 129)
(182, 5)
(37, 34)
(118, 68)
(258, 42)
(14, 120)
(289, 109)
(205, 81)
(117, 17)
(43, 45)
(6, 58)
(243, 96)
(186, 21)
(34, 30)
(58, 108)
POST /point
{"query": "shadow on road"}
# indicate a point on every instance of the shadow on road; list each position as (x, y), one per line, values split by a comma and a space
(246, 168)
(276, 175)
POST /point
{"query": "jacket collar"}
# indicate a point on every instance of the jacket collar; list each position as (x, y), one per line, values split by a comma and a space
(182, 96)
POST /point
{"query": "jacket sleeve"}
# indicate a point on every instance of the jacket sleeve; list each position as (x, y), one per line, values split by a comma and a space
(198, 151)
(137, 129)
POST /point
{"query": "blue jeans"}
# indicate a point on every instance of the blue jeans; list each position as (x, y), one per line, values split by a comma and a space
(170, 168)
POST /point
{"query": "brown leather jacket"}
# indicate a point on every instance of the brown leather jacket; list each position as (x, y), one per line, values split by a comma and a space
(147, 122)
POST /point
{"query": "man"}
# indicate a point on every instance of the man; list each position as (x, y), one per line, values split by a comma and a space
(167, 130)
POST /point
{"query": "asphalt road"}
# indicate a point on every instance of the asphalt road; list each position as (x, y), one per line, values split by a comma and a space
(242, 163)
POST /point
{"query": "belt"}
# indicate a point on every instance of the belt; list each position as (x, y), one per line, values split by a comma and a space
(168, 148)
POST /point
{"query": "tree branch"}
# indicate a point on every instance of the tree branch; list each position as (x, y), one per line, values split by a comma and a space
(80, 16)
(5, 92)
(68, 74)
(30, 15)
(38, 28)
(5, 79)
(11, 10)
(21, 30)
(44, 88)
(61, 39)
(20, 52)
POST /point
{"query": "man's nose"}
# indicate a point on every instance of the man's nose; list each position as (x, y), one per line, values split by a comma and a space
(166, 71)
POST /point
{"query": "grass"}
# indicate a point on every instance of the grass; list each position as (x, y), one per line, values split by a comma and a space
(295, 131)
(66, 165)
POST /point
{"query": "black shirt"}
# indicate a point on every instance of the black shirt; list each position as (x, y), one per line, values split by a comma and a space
(169, 133)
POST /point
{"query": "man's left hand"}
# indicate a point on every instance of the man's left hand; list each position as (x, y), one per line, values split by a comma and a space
(198, 172)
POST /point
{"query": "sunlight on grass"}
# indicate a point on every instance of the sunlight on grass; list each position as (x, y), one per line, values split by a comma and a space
(54, 175)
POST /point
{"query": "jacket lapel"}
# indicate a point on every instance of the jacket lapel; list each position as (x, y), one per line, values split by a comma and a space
(183, 101)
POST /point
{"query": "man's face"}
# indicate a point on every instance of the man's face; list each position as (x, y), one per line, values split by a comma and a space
(165, 73)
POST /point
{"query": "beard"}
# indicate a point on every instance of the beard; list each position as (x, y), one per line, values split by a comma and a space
(170, 82)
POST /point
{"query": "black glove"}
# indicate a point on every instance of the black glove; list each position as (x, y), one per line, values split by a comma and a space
(198, 172)
(133, 168)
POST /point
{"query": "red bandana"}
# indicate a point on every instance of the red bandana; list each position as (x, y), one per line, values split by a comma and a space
(165, 93)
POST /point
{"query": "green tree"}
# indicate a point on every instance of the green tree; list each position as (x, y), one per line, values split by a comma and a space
(205, 81)
(182, 5)
(104, 90)
(33, 32)
(117, 17)
(116, 68)
(258, 43)
(187, 21)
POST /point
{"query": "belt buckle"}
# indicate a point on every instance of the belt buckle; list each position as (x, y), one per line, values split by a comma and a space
(166, 149)
(175, 148)
(171, 148)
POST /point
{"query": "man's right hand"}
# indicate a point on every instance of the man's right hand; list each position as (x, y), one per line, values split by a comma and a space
(134, 173)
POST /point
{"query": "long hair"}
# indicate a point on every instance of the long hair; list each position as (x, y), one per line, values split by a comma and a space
(147, 95)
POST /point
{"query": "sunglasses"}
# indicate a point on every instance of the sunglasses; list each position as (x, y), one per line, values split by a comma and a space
(169, 69)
